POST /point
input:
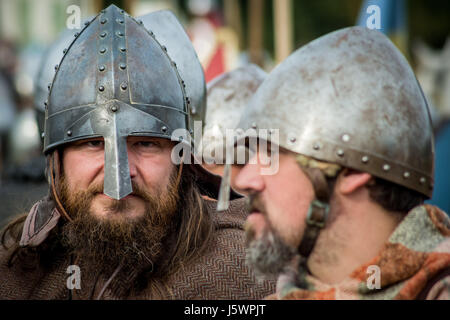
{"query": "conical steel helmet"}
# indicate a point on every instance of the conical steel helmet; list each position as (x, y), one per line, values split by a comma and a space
(228, 96)
(116, 80)
(351, 98)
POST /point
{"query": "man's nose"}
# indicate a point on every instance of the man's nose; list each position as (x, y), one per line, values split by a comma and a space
(249, 179)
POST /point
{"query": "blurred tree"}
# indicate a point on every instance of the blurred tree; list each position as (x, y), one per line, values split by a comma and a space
(430, 21)
(316, 18)
(119, 3)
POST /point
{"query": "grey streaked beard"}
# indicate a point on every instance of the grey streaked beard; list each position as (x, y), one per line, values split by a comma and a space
(268, 255)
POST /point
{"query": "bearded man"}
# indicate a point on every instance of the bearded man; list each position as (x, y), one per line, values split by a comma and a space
(123, 219)
(343, 217)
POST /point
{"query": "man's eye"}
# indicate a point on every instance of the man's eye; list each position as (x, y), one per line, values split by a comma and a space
(95, 143)
(147, 144)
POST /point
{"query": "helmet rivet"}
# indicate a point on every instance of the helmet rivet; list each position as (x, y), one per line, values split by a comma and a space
(188, 101)
(65, 51)
(122, 12)
(151, 33)
(406, 175)
(193, 110)
(86, 23)
(122, 66)
(292, 139)
(164, 48)
(174, 64)
(46, 103)
(103, 34)
(340, 153)
(191, 131)
(101, 88)
(123, 49)
(316, 146)
(164, 129)
(103, 50)
(69, 133)
(365, 159)
(56, 67)
(76, 34)
(180, 138)
(271, 131)
(422, 180)
(386, 167)
(101, 68)
(123, 86)
(119, 33)
(114, 108)
(120, 21)
(43, 135)
(103, 21)
(345, 138)
(254, 125)
(49, 86)
(140, 22)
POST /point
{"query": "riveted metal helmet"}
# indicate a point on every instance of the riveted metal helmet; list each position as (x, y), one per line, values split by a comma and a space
(350, 98)
(116, 80)
(228, 95)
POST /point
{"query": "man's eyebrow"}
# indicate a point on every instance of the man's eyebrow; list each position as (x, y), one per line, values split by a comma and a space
(78, 142)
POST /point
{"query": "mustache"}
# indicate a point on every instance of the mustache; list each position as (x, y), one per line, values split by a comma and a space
(112, 205)
(255, 203)
(138, 191)
(124, 204)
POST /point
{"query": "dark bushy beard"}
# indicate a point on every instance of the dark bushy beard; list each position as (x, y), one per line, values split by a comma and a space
(135, 244)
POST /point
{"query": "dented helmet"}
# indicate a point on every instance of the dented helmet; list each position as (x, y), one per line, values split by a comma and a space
(351, 98)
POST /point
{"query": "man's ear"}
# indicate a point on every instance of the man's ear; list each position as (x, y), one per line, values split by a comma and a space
(350, 180)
